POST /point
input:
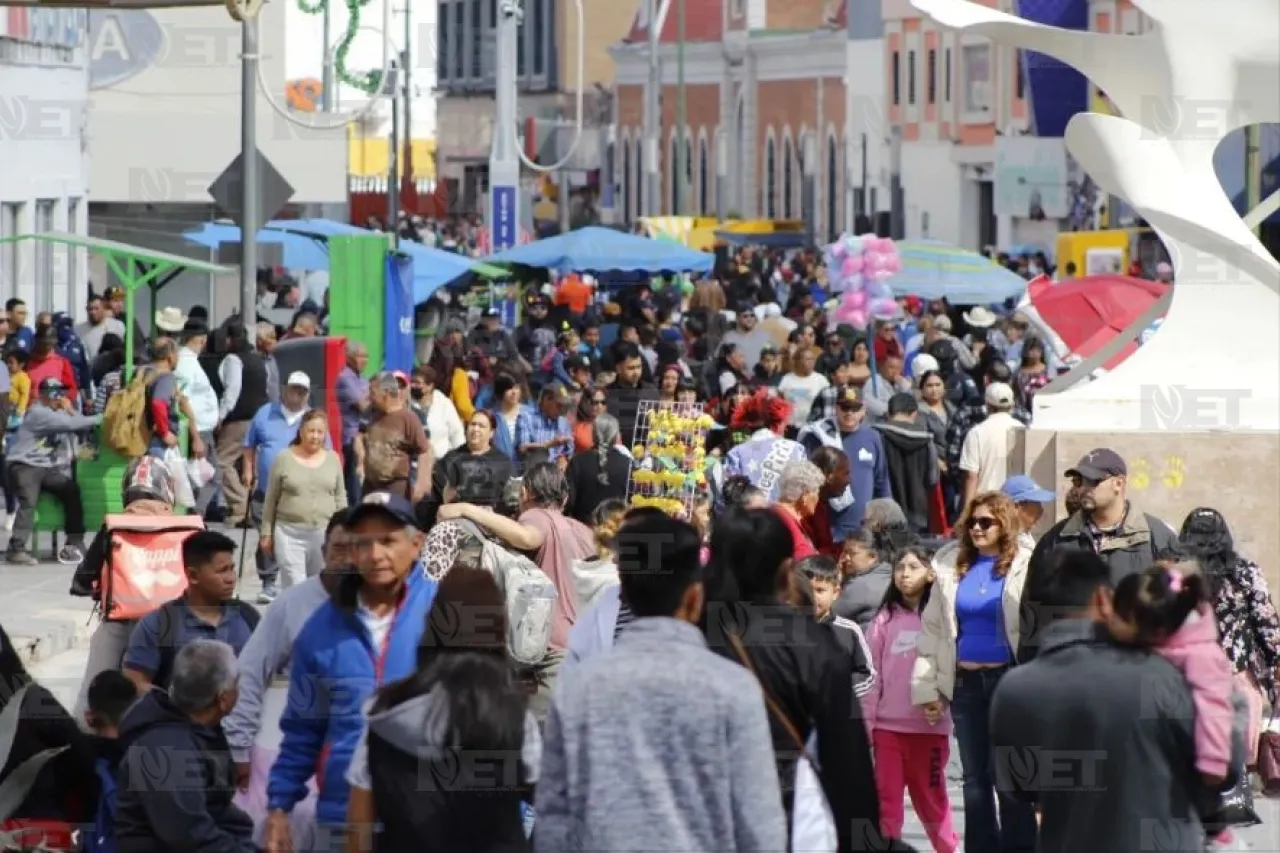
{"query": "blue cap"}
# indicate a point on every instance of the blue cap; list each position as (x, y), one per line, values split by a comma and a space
(1021, 489)
(383, 503)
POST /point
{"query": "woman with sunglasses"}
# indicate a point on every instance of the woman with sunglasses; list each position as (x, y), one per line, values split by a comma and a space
(593, 403)
(968, 640)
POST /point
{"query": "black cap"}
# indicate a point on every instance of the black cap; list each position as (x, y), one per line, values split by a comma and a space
(51, 387)
(577, 362)
(849, 395)
(384, 503)
(1098, 465)
(492, 312)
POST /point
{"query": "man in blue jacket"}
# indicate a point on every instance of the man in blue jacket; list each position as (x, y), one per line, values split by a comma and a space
(848, 430)
(365, 636)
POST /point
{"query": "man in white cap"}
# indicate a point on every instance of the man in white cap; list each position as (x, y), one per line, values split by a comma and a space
(985, 454)
(273, 428)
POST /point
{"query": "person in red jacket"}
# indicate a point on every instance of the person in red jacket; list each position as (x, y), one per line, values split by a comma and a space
(45, 363)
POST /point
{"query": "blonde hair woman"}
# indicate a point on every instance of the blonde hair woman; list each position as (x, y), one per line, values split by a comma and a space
(969, 634)
(304, 490)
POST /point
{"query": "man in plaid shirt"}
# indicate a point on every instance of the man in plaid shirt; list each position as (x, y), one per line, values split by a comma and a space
(824, 405)
(546, 430)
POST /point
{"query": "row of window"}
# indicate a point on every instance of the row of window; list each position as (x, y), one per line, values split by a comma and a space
(466, 41)
(42, 217)
(976, 72)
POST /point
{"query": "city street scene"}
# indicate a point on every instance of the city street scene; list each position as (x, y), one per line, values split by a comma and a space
(560, 426)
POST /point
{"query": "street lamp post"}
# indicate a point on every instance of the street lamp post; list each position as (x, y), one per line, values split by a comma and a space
(504, 159)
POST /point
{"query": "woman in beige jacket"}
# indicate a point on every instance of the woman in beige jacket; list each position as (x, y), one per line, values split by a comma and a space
(968, 639)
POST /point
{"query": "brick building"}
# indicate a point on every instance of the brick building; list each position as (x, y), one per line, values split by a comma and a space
(761, 78)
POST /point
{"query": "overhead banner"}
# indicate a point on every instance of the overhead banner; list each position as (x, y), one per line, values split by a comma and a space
(397, 345)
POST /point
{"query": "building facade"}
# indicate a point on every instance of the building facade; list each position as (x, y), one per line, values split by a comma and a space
(765, 83)
(44, 159)
(548, 80)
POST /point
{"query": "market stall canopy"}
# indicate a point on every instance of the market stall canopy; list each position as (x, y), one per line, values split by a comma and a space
(936, 270)
(434, 268)
(603, 249)
(1078, 317)
(301, 252)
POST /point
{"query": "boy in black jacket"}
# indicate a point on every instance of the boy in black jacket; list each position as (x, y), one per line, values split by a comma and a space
(824, 585)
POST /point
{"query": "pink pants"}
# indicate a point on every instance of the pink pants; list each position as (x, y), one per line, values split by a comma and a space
(916, 764)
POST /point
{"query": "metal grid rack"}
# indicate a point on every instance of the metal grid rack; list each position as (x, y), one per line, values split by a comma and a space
(669, 446)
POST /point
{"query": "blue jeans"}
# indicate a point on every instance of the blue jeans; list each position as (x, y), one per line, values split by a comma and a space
(993, 823)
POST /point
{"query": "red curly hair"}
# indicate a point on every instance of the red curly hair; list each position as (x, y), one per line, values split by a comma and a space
(762, 410)
(1005, 512)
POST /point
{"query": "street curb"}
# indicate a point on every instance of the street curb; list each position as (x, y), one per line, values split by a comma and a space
(62, 635)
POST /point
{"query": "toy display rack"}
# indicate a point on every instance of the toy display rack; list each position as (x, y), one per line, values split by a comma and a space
(669, 446)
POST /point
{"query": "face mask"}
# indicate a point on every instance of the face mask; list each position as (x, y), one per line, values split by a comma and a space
(419, 393)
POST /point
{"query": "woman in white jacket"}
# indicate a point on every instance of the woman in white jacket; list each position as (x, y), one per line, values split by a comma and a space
(968, 639)
(436, 411)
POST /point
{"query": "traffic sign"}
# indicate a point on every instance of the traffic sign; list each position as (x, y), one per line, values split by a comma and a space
(504, 213)
(274, 191)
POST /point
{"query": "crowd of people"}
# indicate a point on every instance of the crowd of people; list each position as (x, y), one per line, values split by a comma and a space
(468, 639)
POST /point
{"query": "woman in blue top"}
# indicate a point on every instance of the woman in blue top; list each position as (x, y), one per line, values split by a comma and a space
(506, 408)
(968, 639)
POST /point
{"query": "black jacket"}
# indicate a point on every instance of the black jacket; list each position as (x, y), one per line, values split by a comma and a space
(624, 404)
(1126, 780)
(1134, 548)
(807, 674)
(67, 787)
(912, 459)
(176, 784)
(586, 492)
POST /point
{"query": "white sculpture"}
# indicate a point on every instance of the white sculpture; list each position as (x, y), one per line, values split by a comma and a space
(1203, 70)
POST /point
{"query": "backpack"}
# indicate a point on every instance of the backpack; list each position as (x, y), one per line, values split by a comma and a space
(101, 837)
(529, 596)
(125, 428)
(170, 615)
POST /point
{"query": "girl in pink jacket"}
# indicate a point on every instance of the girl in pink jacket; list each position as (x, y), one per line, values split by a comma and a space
(1172, 613)
(910, 752)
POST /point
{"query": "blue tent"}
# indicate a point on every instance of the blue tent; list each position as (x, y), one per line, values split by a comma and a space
(433, 268)
(320, 228)
(300, 252)
(936, 270)
(603, 249)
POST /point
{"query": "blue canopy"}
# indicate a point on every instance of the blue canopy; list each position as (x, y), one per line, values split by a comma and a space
(936, 270)
(300, 252)
(433, 268)
(603, 249)
(315, 227)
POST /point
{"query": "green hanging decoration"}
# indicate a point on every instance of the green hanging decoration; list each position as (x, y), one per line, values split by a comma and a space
(369, 82)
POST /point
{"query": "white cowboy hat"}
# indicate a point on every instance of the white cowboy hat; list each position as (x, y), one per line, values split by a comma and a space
(170, 319)
(980, 317)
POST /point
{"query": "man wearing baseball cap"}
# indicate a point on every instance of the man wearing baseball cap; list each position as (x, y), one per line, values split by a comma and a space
(491, 339)
(364, 637)
(1030, 498)
(1108, 523)
(848, 432)
(393, 451)
(984, 455)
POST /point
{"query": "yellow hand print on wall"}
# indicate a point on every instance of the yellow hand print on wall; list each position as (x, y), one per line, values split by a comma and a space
(1139, 474)
(1172, 474)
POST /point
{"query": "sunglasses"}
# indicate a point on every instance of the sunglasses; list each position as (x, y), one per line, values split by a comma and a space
(600, 401)
(985, 523)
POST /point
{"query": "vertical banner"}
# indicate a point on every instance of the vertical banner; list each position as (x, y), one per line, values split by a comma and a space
(398, 338)
(504, 232)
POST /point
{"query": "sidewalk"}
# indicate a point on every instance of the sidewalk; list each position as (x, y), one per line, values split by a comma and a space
(43, 619)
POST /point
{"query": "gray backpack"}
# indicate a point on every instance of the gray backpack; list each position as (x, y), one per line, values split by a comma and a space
(529, 594)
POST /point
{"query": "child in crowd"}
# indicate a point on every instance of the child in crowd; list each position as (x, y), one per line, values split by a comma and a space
(110, 695)
(1169, 610)
(15, 360)
(824, 584)
(911, 753)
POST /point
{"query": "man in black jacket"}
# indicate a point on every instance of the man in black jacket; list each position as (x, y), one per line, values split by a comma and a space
(912, 459)
(177, 779)
(1124, 782)
(1107, 524)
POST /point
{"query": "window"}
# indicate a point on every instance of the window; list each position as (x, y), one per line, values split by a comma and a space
(977, 78)
(477, 36)
(1020, 76)
(703, 198)
(641, 180)
(833, 189)
(686, 186)
(459, 45)
(673, 169)
(770, 181)
(787, 177)
(626, 181)
(911, 77)
(46, 210)
(522, 36)
(10, 257)
(540, 8)
(897, 84)
(946, 70)
(442, 43)
(931, 82)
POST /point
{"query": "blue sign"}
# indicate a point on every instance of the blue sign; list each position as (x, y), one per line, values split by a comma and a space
(505, 227)
(398, 338)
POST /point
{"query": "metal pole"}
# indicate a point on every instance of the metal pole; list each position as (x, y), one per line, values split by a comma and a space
(393, 159)
(897, 216)
(680, 175)
(862, 207)
(722, 173)
(563, 184)
(407, 63)
(326, 68)
(250, 222)
(1253, 171)
(653, 119)
(504, 161)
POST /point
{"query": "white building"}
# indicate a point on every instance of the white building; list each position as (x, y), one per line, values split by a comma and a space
(164, 122)
(44, 181)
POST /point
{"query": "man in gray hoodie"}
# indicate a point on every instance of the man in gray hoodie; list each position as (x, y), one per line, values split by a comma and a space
(40, 461)
(657, 720)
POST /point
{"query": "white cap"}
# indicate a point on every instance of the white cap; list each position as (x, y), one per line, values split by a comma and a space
(298, 379)
(999, 395)
(922, 364)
